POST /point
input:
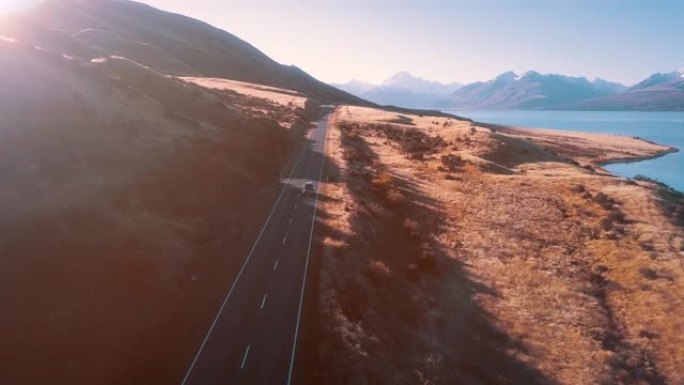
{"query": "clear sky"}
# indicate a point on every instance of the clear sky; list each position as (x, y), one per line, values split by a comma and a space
(454, 40)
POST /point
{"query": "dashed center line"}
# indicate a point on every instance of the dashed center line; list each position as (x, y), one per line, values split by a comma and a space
(244, 358)
(275, 266)
(263, 301)
(284, 239)
(290, 221)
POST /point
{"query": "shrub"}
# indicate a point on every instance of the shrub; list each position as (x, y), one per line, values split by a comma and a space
(606, 224)
(417, 155)
(414, 143)
(452, 162)
(426, 262)
(378, 269)
(383, 180)
(649, 273)
(413, 227)
(649, 334)
(678, 214)
(672, 201)
(604, 201)
(617, 216)
(647, 246)
(395, 197)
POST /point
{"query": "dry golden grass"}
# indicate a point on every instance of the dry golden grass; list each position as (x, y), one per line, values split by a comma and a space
(275, 95)
(515, 266)
(591, 148)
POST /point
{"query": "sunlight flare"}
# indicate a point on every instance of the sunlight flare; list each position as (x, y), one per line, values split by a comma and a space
(11, 6)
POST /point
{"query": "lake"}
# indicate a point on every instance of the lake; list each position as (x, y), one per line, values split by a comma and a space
(661, 127)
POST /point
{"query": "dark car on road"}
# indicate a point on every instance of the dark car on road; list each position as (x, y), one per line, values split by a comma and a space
(308, 189)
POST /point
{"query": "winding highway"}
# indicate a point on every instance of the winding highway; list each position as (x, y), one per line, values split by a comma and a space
(253, 338)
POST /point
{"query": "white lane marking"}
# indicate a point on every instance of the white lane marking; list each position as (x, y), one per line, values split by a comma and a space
(290, 221)
(295, 207)
(244, 358)
(263, 301)
(308, 254)
(275, 266)
(244, 264)
(284, 239)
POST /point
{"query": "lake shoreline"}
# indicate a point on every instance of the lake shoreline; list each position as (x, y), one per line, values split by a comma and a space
(581, 135)
(636, 159)
(666, 128)
(526, 215)
(632, 158)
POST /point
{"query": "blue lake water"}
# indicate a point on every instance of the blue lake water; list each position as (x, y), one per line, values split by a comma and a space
(660, 127)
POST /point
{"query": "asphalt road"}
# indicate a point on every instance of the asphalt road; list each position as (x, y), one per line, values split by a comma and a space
(252, 340)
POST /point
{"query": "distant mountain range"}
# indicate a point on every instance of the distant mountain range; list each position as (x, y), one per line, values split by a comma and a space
(529, 91)
(659, 92)
(403, 90)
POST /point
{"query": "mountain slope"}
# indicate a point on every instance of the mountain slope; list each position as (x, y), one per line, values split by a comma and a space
(168, 43)
(658, 79)
(531, 90)
(659, 92)
(402, 90)
(128, 198)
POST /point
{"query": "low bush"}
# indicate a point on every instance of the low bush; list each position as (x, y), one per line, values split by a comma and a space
(395, 197)
(413, 227)
(382, 180)
(649, 273)
(604, 201)
(414, 143)
(452, 162)
(672, 200)
(578, 188)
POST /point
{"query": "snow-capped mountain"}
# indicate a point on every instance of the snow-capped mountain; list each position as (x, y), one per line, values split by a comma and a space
(531, 90)
(403, 90)
(658, 92)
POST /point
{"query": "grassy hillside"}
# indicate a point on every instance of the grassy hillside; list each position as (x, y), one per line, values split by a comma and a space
(453, 254)
(127, 202)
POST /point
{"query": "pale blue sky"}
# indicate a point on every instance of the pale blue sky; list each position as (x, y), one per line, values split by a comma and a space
(455, 40)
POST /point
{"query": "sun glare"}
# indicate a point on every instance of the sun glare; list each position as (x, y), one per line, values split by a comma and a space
(10, 6)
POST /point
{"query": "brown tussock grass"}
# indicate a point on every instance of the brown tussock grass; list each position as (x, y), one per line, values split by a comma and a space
(578, 272)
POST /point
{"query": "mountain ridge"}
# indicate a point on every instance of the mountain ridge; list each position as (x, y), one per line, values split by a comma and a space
(530, 90)
(170, 43)
(658, 92)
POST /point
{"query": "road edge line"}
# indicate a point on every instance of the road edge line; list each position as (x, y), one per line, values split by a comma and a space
(244, 264)
(308, 253)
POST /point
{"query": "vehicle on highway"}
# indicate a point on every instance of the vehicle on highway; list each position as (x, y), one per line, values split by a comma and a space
(308, 189)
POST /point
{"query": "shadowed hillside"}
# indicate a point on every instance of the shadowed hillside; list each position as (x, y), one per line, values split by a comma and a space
(127, 202)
